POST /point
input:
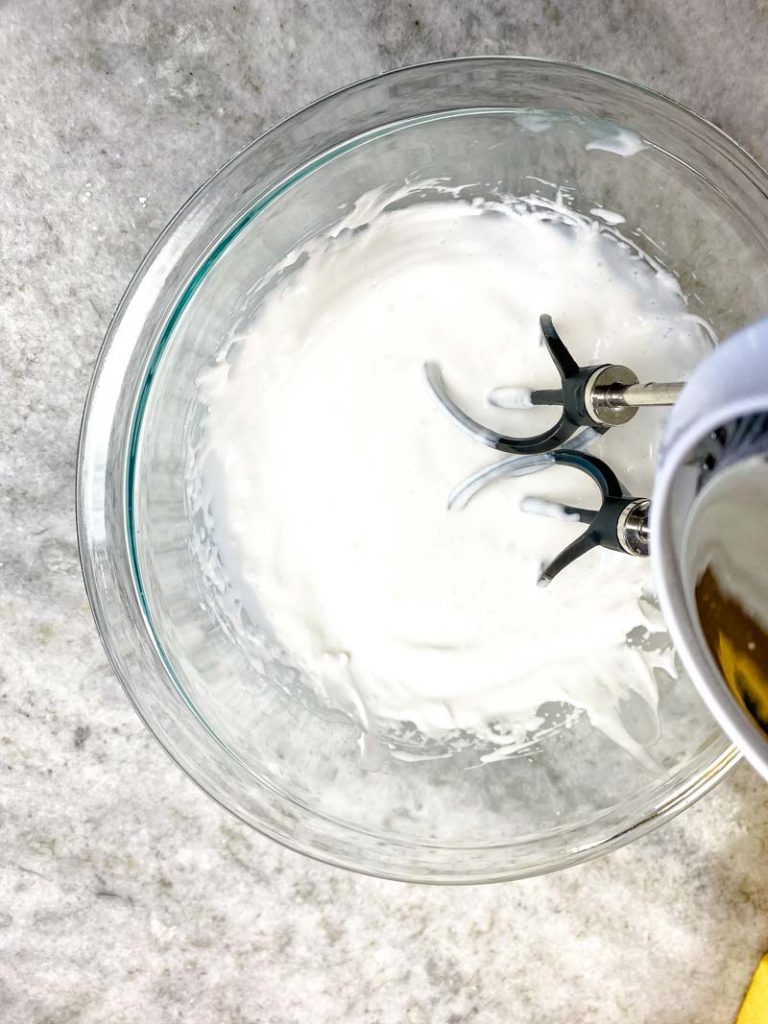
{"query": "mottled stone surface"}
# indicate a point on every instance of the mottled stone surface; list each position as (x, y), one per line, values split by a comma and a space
(125, 894)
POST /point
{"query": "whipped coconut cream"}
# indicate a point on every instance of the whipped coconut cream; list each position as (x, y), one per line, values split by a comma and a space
(327, 465)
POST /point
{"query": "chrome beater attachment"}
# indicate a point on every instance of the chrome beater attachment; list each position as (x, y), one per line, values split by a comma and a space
(598, 397)
(619, 524)
(593, 399)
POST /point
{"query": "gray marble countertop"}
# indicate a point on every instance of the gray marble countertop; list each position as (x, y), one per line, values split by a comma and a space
(125, 894)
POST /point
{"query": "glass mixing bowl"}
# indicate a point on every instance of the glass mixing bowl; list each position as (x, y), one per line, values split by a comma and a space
(242, 726)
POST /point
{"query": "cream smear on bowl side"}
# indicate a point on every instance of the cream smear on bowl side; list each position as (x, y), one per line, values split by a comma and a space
(326, 465)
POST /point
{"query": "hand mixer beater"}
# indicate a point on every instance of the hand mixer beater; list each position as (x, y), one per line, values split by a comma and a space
(593, 399)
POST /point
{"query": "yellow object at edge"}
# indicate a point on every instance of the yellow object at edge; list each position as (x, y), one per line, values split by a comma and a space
(754, 1009)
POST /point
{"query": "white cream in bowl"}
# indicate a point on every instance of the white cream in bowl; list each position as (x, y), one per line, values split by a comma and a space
(326, 465)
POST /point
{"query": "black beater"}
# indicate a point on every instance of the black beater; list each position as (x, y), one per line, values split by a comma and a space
(592, 397)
